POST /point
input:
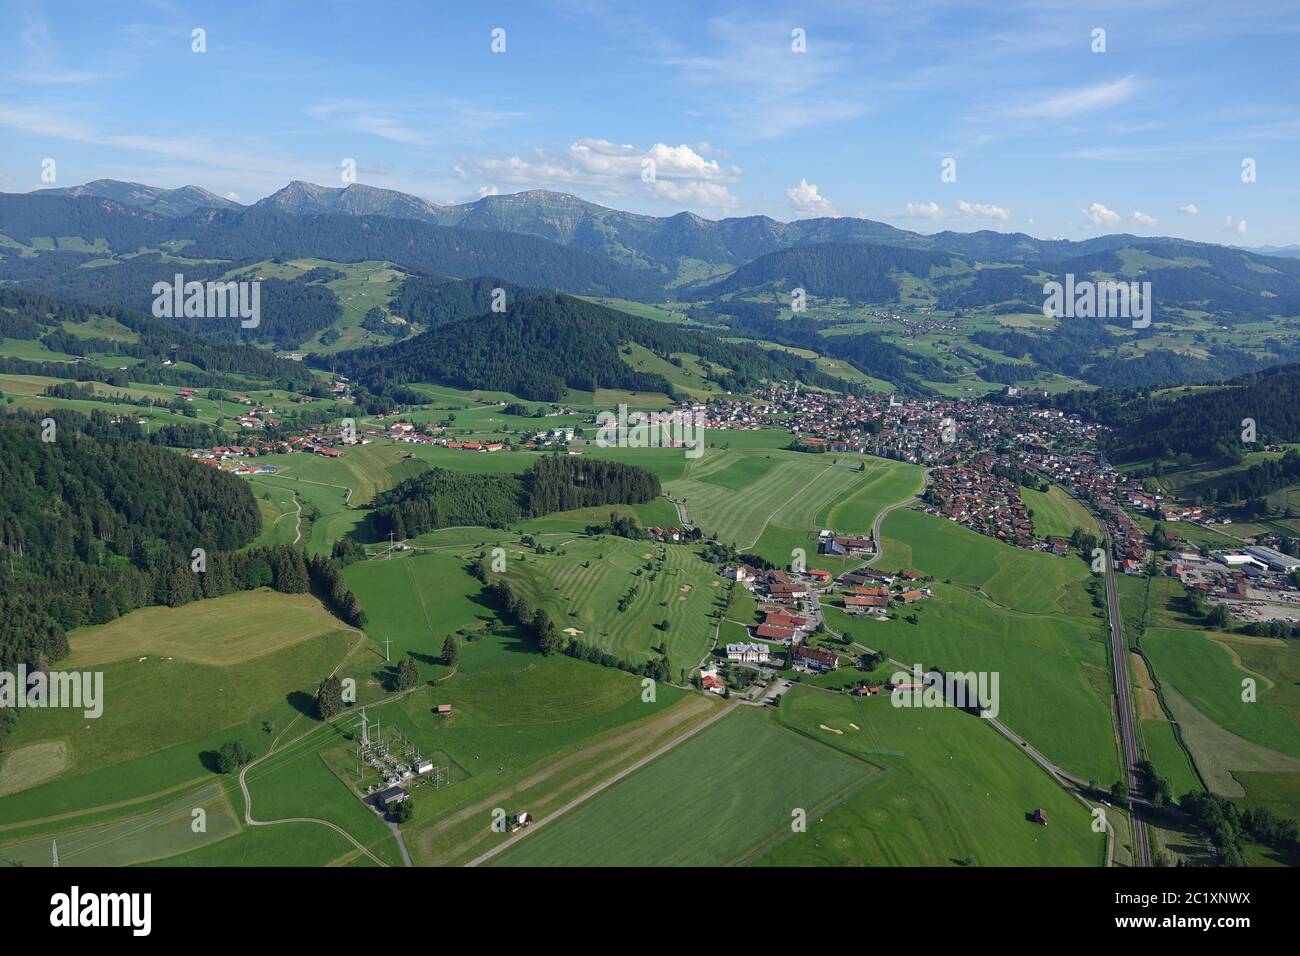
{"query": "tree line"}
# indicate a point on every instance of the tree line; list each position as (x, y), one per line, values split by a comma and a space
(441, 498)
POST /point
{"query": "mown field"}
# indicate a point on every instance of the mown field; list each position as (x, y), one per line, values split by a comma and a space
(718, 799)
(523, 727)
(1023, 614)
(773, 501)
(954, 793)
(1055, 513)
(583, 584)
(178, 683)
(1234, 742)
(1027, 581)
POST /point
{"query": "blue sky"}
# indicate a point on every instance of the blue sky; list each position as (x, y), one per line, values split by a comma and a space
(1048, 136)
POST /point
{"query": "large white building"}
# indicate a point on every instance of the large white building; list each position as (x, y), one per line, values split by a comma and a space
(747, 653)
(1276, 560)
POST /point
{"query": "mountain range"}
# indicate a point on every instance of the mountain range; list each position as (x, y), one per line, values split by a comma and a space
(109, 242)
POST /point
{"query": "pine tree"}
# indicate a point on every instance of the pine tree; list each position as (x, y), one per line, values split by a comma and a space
(408, 675)
(329, 698)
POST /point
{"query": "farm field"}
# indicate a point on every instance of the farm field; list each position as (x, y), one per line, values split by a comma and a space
(218, 631)
(1055, 513)
(1054, 682)
(887, 483)
(678, 811)
(525, 732)
(770, 501)
(954, 793)
(158, 834)
(129, 752)
(414, 602)
(1203, 685)
(582, 586)
(1027, 581)
(1167, 756)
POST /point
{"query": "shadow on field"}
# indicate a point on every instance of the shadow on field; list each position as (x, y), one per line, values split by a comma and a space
(302, 702)
(208, 758)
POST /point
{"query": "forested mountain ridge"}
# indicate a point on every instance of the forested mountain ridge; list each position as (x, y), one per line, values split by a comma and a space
(543, 345)
(1202, 424)
(36, 317)
(255, 233)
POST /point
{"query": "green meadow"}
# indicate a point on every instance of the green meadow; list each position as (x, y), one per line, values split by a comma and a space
(1055, 513)
(716, 800)
(769, 501)
(582, 586)
(1016, 578)
(954, 792)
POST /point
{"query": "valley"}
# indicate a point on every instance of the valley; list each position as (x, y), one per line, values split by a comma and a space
(433, 582)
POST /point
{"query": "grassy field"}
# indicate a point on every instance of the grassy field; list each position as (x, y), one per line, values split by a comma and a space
(220, 631)
(525, 731)
(1028, 581)
(1055, 513)
(716, 800)
(165, 714)
(582, 586)
(523, 727)
(1054, 684)
(156, 835)
(1203, 671)
(1023, 614)
(855, 512)
(414, 602)
(773, 501)
(955, 793)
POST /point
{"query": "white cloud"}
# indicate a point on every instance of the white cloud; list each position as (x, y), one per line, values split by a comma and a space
(488, 191)
(963, 210)
(924, 210)
(1099, 215)
(980, 210)
(805, 198)
(233, 196)
(1084, 99)
(1142, 219)
(1190, 209)
(1239, 226)
(677, 174)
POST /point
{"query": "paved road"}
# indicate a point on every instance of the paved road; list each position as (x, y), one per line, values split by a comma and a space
(1124, 706)
(577, 801)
